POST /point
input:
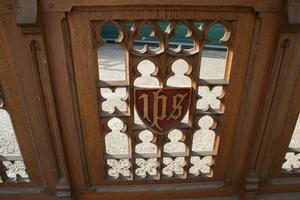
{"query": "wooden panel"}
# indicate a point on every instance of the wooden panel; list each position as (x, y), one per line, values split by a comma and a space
(290, 94)
(15, 104)
(64, 93)
(86, 75)
(279, 103)
(28, 95)
(255, 92)
(259, 101)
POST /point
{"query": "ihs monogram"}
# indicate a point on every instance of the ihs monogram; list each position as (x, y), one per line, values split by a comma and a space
(162, 109)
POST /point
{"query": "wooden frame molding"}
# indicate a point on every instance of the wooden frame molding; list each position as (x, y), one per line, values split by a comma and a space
(50, 84)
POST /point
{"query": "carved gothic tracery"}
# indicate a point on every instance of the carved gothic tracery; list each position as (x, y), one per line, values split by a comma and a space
(151, 68)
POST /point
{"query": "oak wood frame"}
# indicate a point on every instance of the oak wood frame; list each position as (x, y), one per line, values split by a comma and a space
(86, 77)
(268, 24)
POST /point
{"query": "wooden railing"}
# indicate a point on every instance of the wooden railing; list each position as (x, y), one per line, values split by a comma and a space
(52, 89)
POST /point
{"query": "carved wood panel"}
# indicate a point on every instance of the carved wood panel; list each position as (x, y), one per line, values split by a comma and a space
(286, 162)
(154, 116)
(120, 147)
(18, 163)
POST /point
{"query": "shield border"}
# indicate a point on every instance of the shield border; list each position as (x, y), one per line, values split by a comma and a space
(165, 131)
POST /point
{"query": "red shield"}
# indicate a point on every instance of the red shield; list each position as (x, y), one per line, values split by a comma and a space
(162, 109)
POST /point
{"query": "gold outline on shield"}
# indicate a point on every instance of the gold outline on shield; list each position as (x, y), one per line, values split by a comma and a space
(173, 127)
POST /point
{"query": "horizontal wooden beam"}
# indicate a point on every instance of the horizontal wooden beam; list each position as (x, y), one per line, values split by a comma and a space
(257, 5)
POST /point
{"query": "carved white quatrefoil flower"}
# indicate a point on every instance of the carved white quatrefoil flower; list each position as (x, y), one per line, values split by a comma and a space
(292, 161)
(119, 167)
(209, 98)
(15, 170)
(146, 166)
(173, 166)
(201, 165)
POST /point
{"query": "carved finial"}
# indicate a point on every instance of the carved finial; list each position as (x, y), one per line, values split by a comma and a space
(285, 43)
(35, 45)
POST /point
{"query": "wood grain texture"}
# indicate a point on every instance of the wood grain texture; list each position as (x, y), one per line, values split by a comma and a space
(84, 49)
(15, 105)
(258, 5)
(51, 87)
(63, 90)
(33, 123)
